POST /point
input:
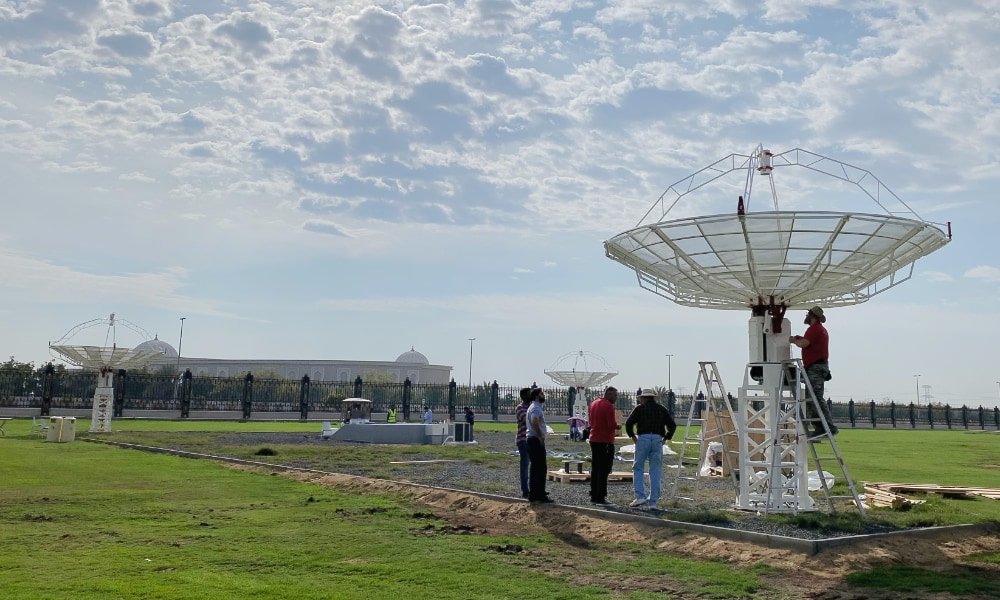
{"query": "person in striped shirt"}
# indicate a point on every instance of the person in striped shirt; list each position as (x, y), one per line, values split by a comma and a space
(537, 430)
(521, 439)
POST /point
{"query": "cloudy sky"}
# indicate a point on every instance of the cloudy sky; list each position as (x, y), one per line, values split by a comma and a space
(350, 179)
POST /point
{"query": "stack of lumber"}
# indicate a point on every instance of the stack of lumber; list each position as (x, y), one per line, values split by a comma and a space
(879, 497)
(948, 491)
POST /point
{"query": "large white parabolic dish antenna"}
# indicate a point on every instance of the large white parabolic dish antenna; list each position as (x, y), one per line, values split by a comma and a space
(769, 262)
(791, 258)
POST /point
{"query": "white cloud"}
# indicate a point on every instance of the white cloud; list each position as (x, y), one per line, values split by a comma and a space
(77, 167)
(22, 275)
(326, 227)
(938, 277)
(136, 176)
(984, 273)
(785, 12)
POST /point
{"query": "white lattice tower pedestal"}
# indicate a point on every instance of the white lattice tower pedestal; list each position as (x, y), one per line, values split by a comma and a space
(104, 398)
(773, 461)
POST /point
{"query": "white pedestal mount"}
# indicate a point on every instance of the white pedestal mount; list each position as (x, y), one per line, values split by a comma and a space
(104, 399)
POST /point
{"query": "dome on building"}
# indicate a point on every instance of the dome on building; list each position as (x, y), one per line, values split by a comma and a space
(413, 357)
(157, 345)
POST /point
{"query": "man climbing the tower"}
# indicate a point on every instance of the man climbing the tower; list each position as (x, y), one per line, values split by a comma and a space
(815, 345)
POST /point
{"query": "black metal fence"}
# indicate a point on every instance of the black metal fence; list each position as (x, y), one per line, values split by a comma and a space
(48, 388)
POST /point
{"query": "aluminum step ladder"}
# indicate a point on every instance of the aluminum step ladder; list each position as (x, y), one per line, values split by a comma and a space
(816, 429)
(709, 398)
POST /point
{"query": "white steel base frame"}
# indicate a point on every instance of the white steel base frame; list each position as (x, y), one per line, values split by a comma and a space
(772, 444)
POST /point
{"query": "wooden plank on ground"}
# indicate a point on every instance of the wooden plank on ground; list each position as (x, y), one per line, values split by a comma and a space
(948, 491)
(564, 477)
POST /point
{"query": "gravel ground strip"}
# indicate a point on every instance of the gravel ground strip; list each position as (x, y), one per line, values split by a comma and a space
(715, 495)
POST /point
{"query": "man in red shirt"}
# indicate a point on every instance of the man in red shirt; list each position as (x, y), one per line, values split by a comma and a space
(603, 425)
(815, 345)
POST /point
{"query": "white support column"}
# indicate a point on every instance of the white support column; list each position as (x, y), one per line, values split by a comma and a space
(104, 397)
(773, 460)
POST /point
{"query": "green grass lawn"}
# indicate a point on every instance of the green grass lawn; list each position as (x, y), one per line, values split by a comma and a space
(956, 458)
(89, 521)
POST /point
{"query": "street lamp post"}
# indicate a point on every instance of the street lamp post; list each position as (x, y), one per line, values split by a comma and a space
(180, 342)
(669, 386)
(470, 368)
(917, 377)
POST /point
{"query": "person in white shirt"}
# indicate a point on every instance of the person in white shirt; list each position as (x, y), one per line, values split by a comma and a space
(536, 448)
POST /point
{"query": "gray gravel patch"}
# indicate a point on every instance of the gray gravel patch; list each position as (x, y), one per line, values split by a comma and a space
(500, 476)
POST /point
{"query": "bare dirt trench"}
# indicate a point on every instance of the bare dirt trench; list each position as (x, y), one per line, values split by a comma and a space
(818, 576)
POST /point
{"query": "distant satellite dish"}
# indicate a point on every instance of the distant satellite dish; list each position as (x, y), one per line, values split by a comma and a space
(106, 360)
(580, 369)
(106, 356)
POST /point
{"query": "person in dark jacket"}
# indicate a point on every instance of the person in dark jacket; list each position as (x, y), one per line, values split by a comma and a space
(649, 426)
(470, 418)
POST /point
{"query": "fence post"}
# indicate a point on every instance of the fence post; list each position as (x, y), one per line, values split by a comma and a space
(850, 411)
(118, 405)
(451, 399)
(965, 416)
(304, 398)
(247, 395)
(495, 400)
(913, 416)
(930, 415)
(892, 413)
(48, 382)
(871, 412)
(186, 394)
(947, 415)
(996, 416)
(982, 415)
(407, 390)
(357, 386)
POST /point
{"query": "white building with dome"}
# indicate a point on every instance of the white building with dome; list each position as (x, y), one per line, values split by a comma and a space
(410, 364)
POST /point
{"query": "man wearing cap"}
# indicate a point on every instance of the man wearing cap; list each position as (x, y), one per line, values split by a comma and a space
(649, 426)
(535, 418)
(815, 345)
(603, 424)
